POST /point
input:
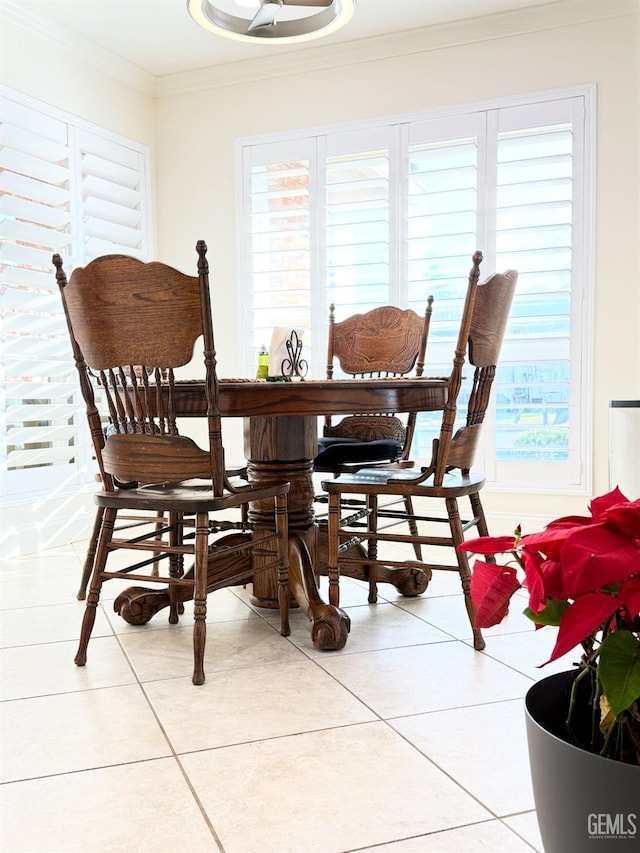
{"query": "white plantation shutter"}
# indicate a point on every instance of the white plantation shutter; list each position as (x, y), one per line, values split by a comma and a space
(521, 166)
(113, 197)
(39, 407)
(81, 192)
(442, 225)
(357, 220)
(394, 210)
(538, 231)
(277, 243)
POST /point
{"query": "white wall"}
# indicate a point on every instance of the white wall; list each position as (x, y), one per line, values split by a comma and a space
(196, 190)
(52, 71)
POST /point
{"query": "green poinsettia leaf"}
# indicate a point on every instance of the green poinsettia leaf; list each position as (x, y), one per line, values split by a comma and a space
(619, 669)
(550, 615)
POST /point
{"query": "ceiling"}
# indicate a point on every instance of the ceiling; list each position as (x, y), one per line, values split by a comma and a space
(160, 38)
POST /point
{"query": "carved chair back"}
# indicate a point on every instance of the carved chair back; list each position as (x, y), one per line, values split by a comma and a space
(482, 327)
(125, 353)
(384, 342)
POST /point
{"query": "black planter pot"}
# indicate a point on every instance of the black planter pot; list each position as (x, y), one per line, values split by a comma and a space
(584, 802)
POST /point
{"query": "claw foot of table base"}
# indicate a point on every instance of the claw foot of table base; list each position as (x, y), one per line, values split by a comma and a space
(330, 625)
(330, 628)
(408, 581)
(138, 604)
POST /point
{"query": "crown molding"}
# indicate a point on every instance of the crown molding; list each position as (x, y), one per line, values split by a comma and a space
(552, 15)
(81, 48)
(318, 58)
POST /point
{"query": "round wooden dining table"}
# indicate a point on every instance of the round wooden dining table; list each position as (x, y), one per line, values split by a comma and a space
(281, 440)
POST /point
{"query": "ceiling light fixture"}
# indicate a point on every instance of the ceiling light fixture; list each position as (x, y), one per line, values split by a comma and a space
(265, 24)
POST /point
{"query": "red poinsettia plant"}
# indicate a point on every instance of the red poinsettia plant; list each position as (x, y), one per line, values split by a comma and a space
(582, 575)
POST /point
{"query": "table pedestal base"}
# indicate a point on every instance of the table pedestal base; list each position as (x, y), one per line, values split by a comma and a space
(329, 625)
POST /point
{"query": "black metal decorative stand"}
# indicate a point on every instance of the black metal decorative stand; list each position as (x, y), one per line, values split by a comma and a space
(294, 366)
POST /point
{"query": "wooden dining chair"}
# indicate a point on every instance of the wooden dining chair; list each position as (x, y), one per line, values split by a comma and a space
(447, 476)
(131, 325)
(385, 342)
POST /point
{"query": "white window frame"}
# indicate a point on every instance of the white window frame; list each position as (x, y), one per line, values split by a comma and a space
(583, 266)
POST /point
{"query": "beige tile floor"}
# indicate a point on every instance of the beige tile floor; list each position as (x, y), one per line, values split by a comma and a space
(405, 741)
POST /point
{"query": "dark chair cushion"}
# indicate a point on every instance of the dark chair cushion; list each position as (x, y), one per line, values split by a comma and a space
(345, 451)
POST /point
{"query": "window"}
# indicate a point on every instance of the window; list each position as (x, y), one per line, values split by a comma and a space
(392, 211)
(76, 189)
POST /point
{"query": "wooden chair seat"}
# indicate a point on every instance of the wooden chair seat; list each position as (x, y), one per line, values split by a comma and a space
(349, 453)
(395, 481)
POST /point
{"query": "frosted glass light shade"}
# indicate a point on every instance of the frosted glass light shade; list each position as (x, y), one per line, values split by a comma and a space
(323, 22)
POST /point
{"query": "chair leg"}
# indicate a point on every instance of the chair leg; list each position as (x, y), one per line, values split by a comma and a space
(91, 553)
(481, 524)
(478, 512)
(282, 529)
(106, 534)
(372, 548)
(200, 567)
(333, 531)
(463, 567)
(176, 565)
(159, 523)
(413, 525)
